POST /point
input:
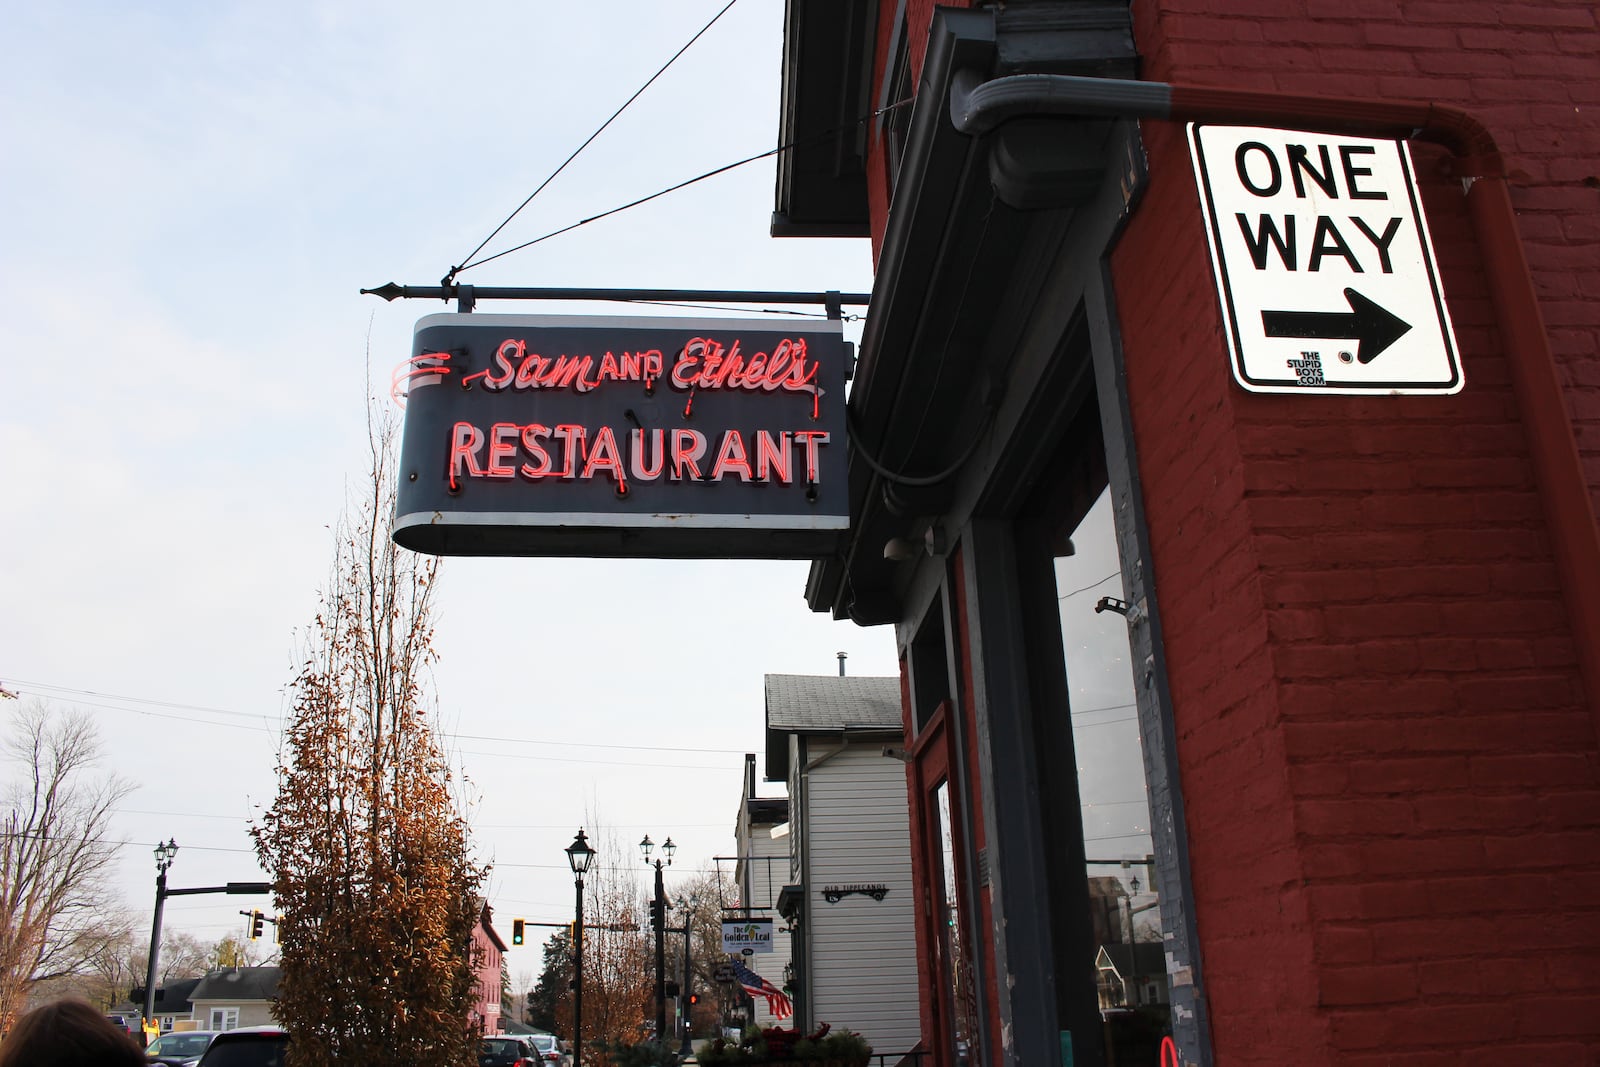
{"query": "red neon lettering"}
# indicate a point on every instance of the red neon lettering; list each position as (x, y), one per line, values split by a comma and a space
(810, 440)
(603, 455)
(465, 440)
(687, 448)
(532, 434)
(716, 369)
(639, 463)
(571, 446)
(588, 452)
(568, 371)
(774, 457)
(754, 373)
(609, 371)
(502, 449)
(705, 364)
(502, 359)
(683, 367)
(1169, 1053)
(731, 458)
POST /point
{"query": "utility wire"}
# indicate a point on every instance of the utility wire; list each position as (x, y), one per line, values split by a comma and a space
(450, 277)
(616, 210)
(674, 188)
(76, 696)
(1091, 585)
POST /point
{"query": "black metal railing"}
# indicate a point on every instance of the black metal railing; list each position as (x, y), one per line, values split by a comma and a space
(915, 1058)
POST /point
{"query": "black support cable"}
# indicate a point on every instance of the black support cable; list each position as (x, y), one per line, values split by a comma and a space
(449, 277)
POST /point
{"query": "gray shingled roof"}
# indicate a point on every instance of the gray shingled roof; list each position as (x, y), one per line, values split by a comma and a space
(825, 704)
(238, 984)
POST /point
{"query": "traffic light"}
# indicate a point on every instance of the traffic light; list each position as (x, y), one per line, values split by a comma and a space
(694, 998)
(516, 931)
(255, 925)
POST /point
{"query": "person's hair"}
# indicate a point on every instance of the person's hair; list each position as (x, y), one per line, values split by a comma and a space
(69, 1033)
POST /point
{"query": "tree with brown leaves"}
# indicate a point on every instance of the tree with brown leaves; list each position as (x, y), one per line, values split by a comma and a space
(375, 886)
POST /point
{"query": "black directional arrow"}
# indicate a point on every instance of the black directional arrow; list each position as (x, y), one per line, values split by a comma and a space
(1372, 328)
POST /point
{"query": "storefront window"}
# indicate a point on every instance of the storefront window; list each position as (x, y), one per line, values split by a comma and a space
(1125, 908)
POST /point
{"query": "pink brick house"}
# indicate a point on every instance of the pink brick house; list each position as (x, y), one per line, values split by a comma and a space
(489, 950)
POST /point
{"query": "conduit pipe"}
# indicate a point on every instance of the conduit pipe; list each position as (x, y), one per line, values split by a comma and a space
(978, 106)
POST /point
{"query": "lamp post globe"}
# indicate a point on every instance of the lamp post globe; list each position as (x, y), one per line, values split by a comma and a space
(658, 919)
(165, 854)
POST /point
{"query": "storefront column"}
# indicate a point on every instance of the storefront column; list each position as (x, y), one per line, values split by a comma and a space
(1017, 852)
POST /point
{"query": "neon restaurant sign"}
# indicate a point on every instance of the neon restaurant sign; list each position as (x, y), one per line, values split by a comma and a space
(532, 435)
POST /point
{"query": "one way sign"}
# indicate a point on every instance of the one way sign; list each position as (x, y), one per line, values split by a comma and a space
(1323, 264)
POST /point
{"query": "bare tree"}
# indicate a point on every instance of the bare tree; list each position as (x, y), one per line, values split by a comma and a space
(55, 854)
(116, 973)
(700, 908)
(376, 891)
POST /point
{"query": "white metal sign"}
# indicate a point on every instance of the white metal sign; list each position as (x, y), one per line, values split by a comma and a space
(1324, 268)
(746, 936)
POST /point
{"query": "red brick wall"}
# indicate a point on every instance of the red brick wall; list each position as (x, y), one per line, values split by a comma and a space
(1391, 778)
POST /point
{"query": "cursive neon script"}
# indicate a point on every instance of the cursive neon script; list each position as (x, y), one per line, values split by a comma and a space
(702, 364)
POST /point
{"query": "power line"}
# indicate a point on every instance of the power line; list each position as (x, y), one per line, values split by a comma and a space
(449, 277)
(674, 188)
(76, 694)
(1090, 586)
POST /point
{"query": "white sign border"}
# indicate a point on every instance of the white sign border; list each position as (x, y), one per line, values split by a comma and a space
(1230, 311)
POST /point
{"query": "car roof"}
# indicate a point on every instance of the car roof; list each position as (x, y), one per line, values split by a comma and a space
(247, 1031)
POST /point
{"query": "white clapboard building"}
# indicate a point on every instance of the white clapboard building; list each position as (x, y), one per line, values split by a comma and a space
(848, 902)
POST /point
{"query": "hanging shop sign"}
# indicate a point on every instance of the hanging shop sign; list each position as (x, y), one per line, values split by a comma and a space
(746, 937)
(835, 893)
(1326, 274)
(530, 435)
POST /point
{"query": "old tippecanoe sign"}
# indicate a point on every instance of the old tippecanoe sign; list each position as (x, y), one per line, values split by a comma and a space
(567, 436)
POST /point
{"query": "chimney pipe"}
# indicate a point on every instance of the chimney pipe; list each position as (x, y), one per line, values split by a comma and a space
(749, 775)
(842, 657)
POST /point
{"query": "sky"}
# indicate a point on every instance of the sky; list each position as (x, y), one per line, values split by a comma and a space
(194, 194)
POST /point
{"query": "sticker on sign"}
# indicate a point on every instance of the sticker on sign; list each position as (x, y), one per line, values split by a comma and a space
(1323, 264)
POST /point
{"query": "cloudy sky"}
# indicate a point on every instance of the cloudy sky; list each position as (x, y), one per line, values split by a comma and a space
(194, 194)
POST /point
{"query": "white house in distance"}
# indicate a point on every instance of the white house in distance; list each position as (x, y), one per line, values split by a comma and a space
(848, 901)
(761, 872)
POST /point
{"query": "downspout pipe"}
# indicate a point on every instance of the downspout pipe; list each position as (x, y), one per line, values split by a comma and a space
(978, 106)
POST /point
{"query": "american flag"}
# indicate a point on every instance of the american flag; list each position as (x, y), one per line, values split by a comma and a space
(757, 986)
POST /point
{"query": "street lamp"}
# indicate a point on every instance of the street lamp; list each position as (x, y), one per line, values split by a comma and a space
(1133, 939)
(580, 857)
(658, 919)
(165, 854)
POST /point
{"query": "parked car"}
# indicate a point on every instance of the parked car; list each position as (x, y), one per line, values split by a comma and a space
(548, 1048)
(505, 1051)
(248, 1046)
(179, 1049)
(129, 1026)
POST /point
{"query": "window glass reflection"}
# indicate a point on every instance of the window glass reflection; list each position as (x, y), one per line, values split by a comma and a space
(1130, 968)
(963, 993)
